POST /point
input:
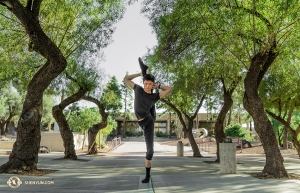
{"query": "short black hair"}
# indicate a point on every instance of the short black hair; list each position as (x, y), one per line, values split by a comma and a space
(149, 77)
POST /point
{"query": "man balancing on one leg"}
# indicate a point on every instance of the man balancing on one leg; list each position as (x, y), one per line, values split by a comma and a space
(144, 103)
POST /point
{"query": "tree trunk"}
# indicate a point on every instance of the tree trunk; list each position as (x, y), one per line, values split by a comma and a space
(24, 156)
(7, 124)
(229, 117)
(219, 126)
(2, 124)
(195, 148)
(187, 129)
(66, 133)
(254, 105)
(285, 134)
(92, 132)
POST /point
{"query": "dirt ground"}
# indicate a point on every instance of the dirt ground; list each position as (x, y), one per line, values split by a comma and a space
(210, 146)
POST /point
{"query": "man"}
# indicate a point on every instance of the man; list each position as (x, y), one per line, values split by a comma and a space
(144, 103)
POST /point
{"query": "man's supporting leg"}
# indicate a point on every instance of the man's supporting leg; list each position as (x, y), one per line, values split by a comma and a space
(153, 112)
(148, 133)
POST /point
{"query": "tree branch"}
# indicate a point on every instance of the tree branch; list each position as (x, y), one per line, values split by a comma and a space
(176, 111)
(36, 8)
(281, 120)
(6, 4)
(257, 14)
(101, 107)
(29, 5)
(215, 32)
(198, 107)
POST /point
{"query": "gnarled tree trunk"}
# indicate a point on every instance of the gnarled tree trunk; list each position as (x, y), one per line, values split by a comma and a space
(92, 132)
(24, 156)
(66, 133)
(219, 126)
(254, 105)
(285, 134)
(187, 129)
(2, 124)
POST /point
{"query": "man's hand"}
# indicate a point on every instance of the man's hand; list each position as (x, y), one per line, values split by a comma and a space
(155, 86)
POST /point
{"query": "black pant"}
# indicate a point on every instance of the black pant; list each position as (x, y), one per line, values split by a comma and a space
(147, 125)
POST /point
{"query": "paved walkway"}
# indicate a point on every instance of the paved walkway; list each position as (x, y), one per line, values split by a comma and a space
(123, 169)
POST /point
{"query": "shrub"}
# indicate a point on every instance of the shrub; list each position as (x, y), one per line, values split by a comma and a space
(129, 133)
(160, 134)
(234, 131)
(139, 133)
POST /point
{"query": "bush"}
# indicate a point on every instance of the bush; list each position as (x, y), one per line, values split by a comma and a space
(129, 133)
(234, 131)
(160, 134)
(139, 133)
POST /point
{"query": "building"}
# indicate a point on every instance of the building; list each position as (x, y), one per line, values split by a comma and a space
(163, 123)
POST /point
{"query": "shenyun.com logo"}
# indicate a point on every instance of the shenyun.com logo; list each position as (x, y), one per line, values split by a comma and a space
(14, 182)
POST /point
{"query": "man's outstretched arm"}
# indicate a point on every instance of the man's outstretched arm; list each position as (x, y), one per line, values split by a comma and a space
(128, 79)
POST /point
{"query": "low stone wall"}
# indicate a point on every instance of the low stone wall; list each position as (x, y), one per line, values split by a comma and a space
(53, 141)
(140, 139)
(7, 145)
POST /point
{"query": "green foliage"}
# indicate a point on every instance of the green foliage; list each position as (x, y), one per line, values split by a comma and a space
(10, 102)
(48, 103)
(111, 97)
(129, 133)
(248, 136)
(81, 121)
(133, 134)
(160, 134)
(79, 29)
(111, 125)
(234, 131)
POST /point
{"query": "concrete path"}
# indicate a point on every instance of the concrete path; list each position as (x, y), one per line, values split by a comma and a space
(123, 169)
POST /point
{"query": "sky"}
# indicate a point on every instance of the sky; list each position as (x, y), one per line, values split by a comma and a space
(131, 39)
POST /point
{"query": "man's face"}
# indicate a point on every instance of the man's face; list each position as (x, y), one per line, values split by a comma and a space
(148, 84)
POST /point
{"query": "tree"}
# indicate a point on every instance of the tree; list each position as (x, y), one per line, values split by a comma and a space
(108, 104)
(31, 19)
(81, 120)
(10, 106)
(127, 100)
(85, 80)
(48, 103)
(282, 102)
(220, 122)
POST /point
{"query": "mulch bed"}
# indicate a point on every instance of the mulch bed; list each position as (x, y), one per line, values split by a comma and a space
(80, 160)
(38, 172)
(265, 176)
(213, 162)
(198, 157)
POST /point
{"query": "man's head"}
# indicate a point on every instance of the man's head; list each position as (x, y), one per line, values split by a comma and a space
(148, 81)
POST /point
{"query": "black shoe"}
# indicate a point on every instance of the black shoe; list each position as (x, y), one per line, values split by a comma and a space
(143, 66)
(146, 180)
